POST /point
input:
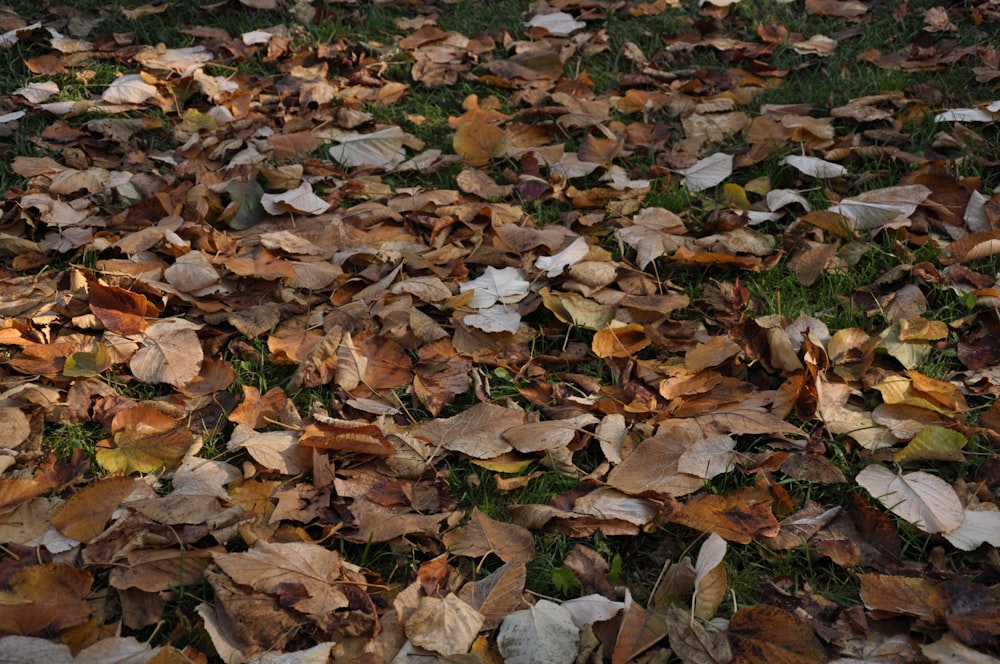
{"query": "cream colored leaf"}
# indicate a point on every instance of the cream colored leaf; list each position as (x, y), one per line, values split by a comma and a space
(557, 23)
(543, 634)
(497, 318)
(592, 608)
(814, 167)
(301, 200)
(979, 526)
(36, 93)
(709, 578)
(380, 149)
(506, 286)
(708, 172)
(129, 89)
(553, 266)
(925, 500)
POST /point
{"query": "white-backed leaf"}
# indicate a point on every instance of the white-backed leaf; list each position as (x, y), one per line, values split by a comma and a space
(978, 527)
(381, 149)
(814, 166)
(924, 500)
(506, 286)
(708, 172)
(301, 200)
(543, 634)
(553, 266)
(129, 89)
(497, 318)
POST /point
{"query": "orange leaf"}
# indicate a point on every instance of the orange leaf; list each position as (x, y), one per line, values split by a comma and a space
(621, 341)
(477, 141)
(85, 514)
(737, 516)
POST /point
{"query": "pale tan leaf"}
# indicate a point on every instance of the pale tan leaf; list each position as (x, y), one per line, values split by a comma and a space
(814, 167)
(708, 172)
(171, 353)
(268, 567)
(653, 466)
(446, 626)
(129, 89)
(979, 526)
(380, 149)
(275, 450)
(709, 577)
(301, 200)
(542, 634)
(550, 434)
(591, 609)
(556, 23)
(477, 431)
(924, 500)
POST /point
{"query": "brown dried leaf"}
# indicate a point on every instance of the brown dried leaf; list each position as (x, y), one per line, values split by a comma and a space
(497, 595)
(482, 536)
(476, 432)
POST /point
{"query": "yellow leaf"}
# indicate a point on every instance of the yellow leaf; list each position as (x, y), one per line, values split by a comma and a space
(734, 196)
(83, 364)
(933, 443)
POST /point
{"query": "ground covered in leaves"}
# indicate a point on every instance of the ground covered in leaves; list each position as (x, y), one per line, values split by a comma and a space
(570, 331)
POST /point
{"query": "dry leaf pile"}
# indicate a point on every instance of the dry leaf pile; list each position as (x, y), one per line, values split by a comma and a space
(235, 242)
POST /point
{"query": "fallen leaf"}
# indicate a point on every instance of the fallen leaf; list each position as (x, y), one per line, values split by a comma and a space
(709, 578)
(476, 432)
(707, 172)
(498, 594)
(129, 89)
(86, 513)
(923, 499)
(542, 634)
(446, 626)
(764, 634)
(482, 536)
(506, 286)
(171, 353)
(379, 149)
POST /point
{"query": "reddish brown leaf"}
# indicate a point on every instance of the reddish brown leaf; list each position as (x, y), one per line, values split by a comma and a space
(768, 635)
